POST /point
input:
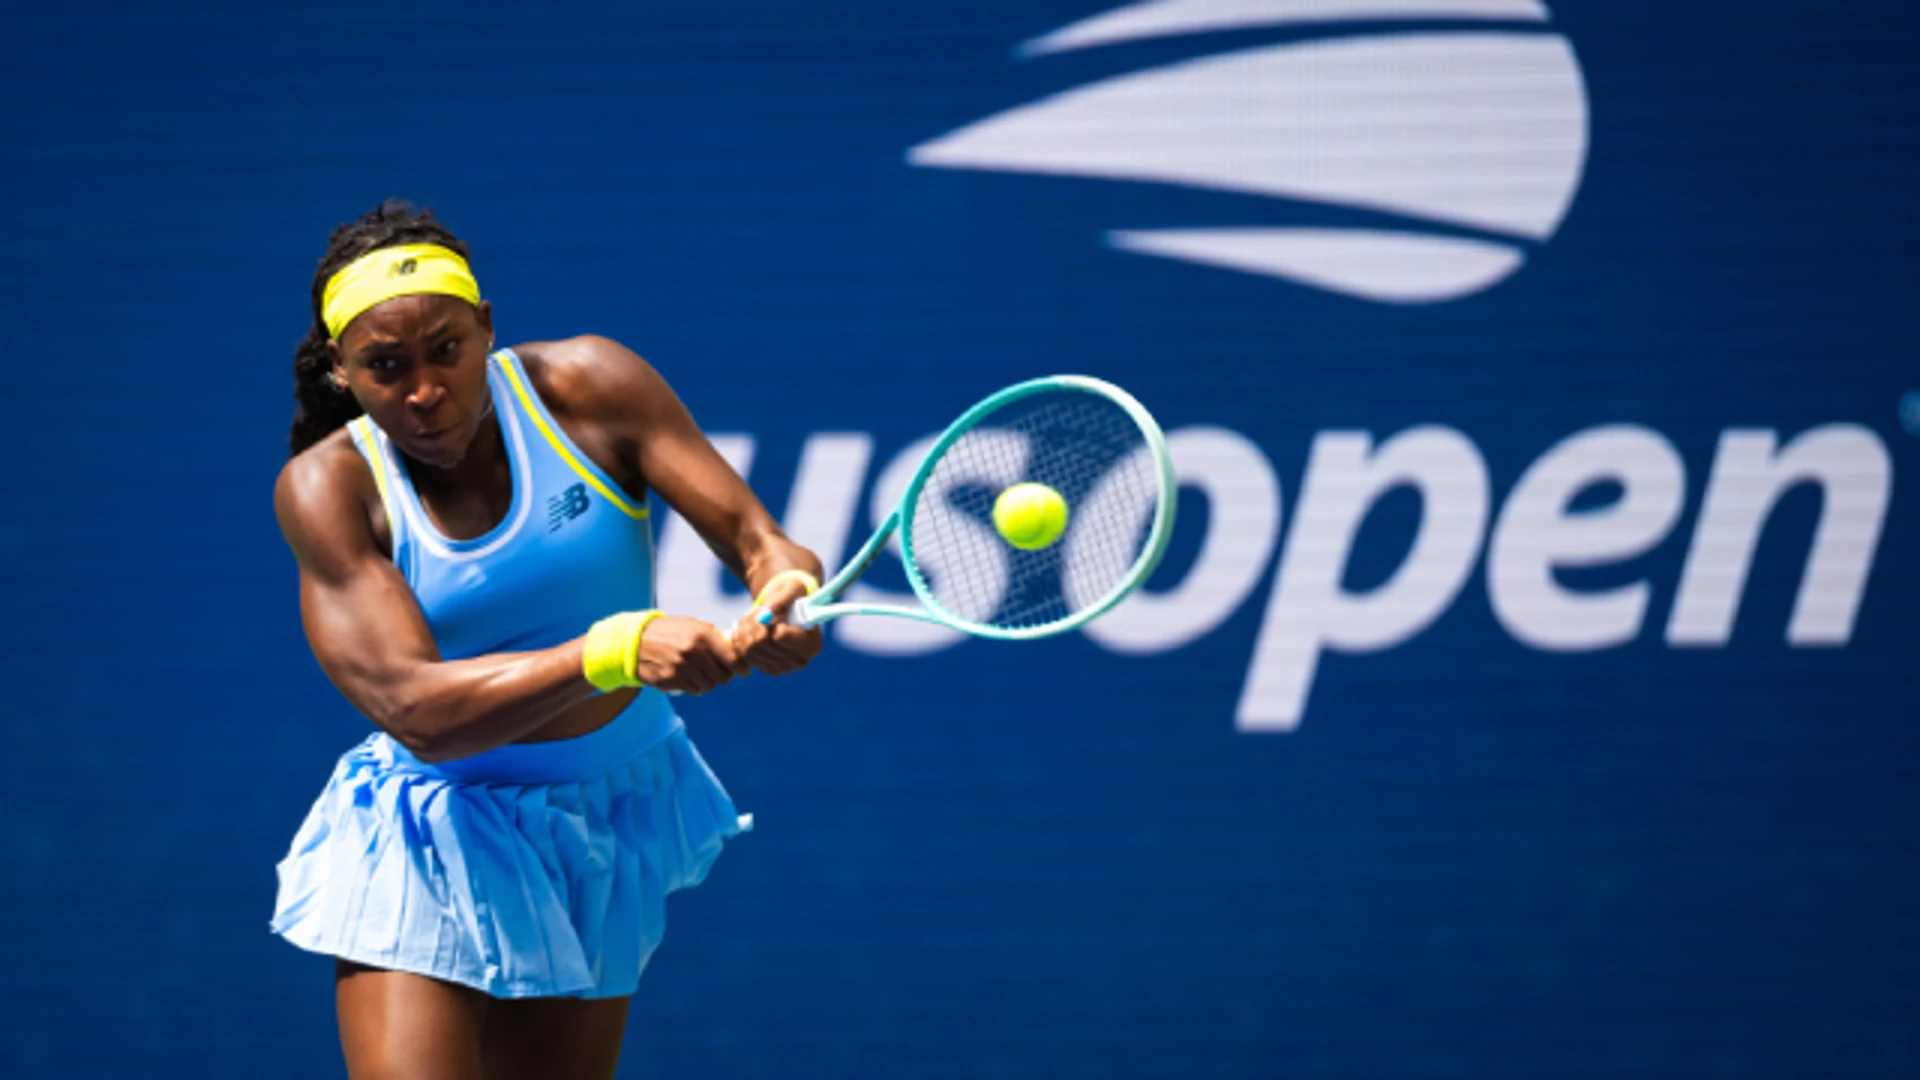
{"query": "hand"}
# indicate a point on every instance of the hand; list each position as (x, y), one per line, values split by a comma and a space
(776, 647)
(686, 656)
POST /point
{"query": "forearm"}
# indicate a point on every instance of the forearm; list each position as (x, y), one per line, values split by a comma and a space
(451, 709)
(774, 553)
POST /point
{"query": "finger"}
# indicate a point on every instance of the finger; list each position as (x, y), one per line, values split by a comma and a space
(682, 681)
(802, 643)
(720, 650)
(701, 671)
(737, 661)
(779, 602)
(698, 669)
(790, 663)
(793, 646)
(696, 666)
(770, 659)
(778, 659)
(718, 660)
(748, 633)
(741, 637)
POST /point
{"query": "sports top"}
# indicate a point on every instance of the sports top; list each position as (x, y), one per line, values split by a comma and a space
(572, 549)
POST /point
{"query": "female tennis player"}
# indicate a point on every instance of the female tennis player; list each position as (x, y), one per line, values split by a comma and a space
(476, 577)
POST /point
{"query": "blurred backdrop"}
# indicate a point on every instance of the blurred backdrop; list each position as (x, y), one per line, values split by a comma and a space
(1530, 690)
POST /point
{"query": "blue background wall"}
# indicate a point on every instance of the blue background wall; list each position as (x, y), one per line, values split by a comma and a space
(1473, 858)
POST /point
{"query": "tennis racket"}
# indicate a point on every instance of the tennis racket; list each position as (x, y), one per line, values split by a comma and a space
(1089, 441)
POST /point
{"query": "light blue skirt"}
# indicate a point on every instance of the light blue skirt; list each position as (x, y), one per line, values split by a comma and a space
(533, 870)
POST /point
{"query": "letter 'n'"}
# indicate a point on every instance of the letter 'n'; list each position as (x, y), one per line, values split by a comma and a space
(1855, 475)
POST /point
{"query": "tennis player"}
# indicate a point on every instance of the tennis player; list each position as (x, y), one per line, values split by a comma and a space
(476, 576)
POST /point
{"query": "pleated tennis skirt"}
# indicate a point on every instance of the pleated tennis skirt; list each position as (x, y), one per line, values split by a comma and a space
(533, 870)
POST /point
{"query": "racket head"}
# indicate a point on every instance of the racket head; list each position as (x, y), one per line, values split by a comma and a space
(1088, 440)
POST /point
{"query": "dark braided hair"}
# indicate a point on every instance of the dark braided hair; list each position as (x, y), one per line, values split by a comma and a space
(322, 409)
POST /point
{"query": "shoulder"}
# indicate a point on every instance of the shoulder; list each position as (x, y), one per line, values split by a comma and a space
(590, 377)
(322, 496)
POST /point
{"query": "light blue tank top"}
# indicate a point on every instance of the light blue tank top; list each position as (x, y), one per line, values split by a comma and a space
(572, 549)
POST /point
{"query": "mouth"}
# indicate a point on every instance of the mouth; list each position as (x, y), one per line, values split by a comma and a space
(433, 446)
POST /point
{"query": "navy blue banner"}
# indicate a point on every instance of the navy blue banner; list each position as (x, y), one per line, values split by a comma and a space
(1529, 690)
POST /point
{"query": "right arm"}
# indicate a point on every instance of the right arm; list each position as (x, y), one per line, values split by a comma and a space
(372, 640)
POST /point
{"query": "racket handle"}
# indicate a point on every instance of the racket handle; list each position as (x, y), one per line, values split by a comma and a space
(798, 616)
(801, 614)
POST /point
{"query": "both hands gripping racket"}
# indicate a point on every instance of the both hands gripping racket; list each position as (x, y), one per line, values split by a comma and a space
(1087, 440)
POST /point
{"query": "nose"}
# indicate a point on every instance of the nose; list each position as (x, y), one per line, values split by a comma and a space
(426, 395)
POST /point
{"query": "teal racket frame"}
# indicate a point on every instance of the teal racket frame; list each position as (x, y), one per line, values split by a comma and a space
(825, 604)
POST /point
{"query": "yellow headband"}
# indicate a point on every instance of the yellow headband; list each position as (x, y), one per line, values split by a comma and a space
(381, 275)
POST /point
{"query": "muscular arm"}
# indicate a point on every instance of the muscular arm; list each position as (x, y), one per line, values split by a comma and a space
(610, 388)
(372, 640)
(675, 459)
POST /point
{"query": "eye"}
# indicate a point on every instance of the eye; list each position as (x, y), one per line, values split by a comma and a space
(449, 346)
(381, 363)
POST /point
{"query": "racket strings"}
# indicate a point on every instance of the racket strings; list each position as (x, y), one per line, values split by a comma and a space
(1083, 446)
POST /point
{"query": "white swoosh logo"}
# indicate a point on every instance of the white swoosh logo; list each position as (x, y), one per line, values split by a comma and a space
(1163, 18)
(1391, 267)
(1481, 130)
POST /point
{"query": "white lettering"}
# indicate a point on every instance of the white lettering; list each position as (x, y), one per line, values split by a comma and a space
(826, 493)
(1855, 475)
(1310, 611)
(885, 635)
(687, 577)
(1536, 533)
(1243, 524)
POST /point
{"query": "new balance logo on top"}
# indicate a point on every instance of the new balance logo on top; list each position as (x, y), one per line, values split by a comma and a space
(566, 506)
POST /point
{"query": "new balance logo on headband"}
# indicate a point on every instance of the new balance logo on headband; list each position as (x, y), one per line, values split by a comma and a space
(404, 267)
(566, 506)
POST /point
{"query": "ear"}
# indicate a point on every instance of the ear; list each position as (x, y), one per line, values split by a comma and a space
(483, 314)
(338, 360)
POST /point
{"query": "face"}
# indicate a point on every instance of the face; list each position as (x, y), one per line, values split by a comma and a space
(418, 366)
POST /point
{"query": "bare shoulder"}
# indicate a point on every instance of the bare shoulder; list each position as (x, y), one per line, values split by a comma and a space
(591, 377)
(321, 500)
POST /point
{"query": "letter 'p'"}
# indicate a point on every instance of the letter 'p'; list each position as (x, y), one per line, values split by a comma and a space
(1310, 611)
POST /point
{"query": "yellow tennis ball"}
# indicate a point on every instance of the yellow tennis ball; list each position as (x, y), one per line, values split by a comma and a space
(1030, 516)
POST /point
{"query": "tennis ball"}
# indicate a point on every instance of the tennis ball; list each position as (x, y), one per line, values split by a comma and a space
(1030, 516)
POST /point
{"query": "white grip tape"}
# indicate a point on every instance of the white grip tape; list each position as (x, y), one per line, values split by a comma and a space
(800, 615)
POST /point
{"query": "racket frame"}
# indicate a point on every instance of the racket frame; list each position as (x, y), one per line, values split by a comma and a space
(821, 606)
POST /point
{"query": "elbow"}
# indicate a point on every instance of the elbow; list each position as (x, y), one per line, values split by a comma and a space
(430, 742)
(430, 748)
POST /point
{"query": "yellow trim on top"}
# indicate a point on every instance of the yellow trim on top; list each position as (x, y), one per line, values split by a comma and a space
(553, 438)
(372, 441)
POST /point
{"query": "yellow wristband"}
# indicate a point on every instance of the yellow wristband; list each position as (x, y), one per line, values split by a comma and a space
(612, 650)
(812, 583)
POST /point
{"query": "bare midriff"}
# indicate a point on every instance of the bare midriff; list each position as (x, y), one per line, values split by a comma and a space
(583, 719)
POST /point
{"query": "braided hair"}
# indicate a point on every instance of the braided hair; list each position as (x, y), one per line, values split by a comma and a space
(322, 409)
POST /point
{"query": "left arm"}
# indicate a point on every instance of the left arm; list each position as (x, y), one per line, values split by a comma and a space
(653, 430)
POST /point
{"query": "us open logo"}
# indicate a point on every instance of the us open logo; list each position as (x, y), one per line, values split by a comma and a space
(1466, 145)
